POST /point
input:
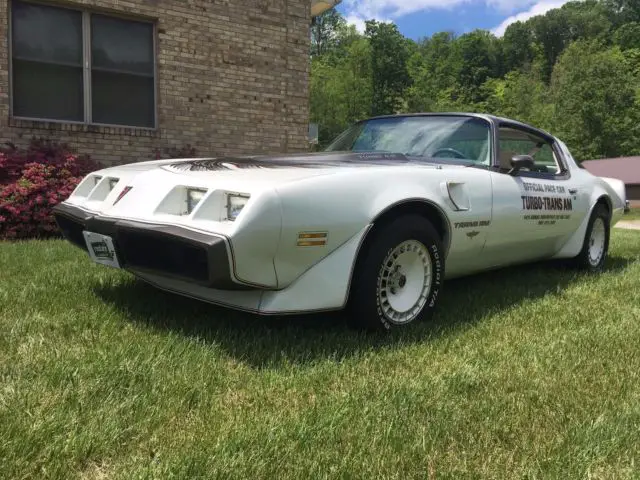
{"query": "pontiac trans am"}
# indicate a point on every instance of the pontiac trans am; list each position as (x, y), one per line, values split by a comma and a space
(374, 225)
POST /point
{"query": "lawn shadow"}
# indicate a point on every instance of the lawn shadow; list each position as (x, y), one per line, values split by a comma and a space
(269, 342)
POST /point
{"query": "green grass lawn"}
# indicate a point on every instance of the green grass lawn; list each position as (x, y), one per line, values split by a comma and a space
(634, 214)
(530, 373)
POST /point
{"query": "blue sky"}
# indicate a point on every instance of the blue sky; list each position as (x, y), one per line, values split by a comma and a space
(421, 18)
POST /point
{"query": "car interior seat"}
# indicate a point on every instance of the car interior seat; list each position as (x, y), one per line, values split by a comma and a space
(505, 159)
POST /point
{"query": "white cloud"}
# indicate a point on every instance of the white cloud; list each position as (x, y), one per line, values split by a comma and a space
(539, 8)
(357, 21)
(509, 6)
(358, 11)
(368, 9)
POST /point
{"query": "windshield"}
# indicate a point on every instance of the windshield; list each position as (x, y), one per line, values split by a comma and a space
(443, 137)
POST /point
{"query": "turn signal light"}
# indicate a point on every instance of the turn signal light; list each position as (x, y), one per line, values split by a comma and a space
(312, 239)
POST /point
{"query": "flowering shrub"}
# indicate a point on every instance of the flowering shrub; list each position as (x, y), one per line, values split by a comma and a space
(32, 182)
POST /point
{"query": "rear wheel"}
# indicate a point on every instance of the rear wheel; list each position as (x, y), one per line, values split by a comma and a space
(595, 250)
(398, 276)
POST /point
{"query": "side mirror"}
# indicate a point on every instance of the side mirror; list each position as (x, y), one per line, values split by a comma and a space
(520, 162)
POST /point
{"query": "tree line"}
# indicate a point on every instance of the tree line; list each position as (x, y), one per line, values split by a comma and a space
(574, 71)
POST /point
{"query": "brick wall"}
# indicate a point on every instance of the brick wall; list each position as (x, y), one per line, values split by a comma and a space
(232, 79)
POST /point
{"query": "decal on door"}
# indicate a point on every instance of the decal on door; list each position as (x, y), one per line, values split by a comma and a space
(466, 225)
(472, 225)
(543, 188)
(546, 203)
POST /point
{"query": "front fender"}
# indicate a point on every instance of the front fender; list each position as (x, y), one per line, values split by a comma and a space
(343, 204)
(340, 206)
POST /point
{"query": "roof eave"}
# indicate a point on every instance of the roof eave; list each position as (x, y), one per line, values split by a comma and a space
(318, 7)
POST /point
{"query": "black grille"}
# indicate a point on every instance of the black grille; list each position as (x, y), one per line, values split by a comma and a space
(167, 256)
(72, 231)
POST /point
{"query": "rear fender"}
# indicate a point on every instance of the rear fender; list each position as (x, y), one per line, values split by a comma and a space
(605, 191)
(618, 197)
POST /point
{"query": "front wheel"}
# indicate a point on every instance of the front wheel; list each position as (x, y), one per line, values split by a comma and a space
(398, 276)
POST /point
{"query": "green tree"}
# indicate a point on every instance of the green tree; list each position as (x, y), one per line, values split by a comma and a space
(520, 95)
(574, 71)
(596, 110)
(341, 90)
(624, 10)
(477, 57)
(390, 53)
(518, 46)
(325, 31)
(555, 30)
(628, 36)
(432, 71)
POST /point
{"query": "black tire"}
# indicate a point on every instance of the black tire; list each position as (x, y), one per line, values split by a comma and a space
(584, 260)
(364, 309)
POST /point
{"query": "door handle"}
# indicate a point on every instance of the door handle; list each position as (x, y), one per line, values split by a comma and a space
(573, 191)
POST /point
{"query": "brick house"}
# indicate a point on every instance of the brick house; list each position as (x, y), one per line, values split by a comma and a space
(122, 79)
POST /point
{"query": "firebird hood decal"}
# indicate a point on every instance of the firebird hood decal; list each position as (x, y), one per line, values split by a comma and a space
(318, 160)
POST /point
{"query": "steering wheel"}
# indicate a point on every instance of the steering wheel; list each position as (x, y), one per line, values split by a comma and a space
(457, 153)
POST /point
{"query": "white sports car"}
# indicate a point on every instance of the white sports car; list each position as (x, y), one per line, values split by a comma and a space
(375, 224)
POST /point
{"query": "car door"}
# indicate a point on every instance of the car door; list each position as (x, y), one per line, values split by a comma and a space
(535, 210)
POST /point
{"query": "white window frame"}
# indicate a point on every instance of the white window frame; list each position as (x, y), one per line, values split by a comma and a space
(86, 66)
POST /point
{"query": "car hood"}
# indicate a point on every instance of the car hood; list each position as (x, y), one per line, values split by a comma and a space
(269, 170)
(254, 173)
(294, 160)
(143, 191)
(307, 164)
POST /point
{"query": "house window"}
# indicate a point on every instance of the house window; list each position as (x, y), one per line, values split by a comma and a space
(79, 66)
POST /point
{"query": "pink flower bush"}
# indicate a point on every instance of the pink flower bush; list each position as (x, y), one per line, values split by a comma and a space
(32, 182)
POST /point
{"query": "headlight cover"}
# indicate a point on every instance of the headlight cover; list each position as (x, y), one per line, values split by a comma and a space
(194, 197)
(235, 204)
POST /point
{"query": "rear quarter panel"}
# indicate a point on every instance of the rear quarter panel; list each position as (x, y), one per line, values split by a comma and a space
(598, 188)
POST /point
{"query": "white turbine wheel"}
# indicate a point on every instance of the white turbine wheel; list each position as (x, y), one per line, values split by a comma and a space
(405, 281)
(597, 242)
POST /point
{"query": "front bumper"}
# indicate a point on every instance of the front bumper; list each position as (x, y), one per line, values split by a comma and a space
(166, 251)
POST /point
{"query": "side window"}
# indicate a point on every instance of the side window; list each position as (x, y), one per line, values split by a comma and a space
(519, 142)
